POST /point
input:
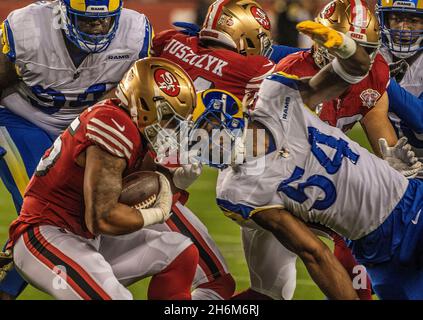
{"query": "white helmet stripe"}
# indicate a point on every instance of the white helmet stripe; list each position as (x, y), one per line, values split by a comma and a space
(358, 16)
(215, 13)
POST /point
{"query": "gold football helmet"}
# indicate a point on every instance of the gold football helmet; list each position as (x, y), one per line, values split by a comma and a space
(159, 95)
(352, 18)
(242, 25)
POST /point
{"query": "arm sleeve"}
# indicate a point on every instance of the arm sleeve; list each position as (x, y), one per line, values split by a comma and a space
(406, 106)
(114, 133)
(279, 52)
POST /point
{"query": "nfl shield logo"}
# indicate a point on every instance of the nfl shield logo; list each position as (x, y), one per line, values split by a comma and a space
(369, 97)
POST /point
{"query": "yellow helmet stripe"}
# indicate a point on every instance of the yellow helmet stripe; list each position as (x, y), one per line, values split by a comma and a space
(113, 5)
(387, 3)
(78, 5)
(287, 75)
(14, 161)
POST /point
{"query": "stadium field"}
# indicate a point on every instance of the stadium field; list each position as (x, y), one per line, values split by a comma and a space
(225, 233)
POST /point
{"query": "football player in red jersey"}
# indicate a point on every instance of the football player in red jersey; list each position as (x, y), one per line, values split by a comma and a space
(365, 102)
(226, 55)
(228, 51)
(73, 239)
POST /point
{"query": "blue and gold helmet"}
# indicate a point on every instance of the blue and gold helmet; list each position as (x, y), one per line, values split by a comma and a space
(75, 11)
(221, 114)
(402, 43)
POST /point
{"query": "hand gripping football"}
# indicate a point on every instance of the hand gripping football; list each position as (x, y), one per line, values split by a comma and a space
(140, 189)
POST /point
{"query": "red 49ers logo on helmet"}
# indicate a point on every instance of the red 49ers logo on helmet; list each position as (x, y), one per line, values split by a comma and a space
(167, 82)
(328, 11)
(261, 17)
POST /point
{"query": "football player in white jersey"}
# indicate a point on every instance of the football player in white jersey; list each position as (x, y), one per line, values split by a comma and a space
(310, 172)
(58, 58)
(402, 38)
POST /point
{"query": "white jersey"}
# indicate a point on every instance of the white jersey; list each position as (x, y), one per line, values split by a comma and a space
(413, 83)
(316, 172)
(53, 91)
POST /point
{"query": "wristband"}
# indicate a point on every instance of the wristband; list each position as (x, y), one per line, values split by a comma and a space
(347, 48)
(152, 216)
(340, 71)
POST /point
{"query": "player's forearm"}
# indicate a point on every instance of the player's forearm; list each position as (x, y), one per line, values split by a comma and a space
(120, 220)
(329, 275)
(322, 265)
(327, 84)
(350, 67)
(358, 64)
(377, 125)
(324, 86)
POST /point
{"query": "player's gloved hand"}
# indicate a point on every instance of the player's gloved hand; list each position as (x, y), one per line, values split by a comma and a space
(190, 29)
(6, 263)
(401, 157)
(160, 211)
(398, 68)
(341, 45)
(185, 175)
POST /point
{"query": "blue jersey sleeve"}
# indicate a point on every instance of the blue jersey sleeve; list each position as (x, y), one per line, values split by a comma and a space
(406, 106)
(279, 52)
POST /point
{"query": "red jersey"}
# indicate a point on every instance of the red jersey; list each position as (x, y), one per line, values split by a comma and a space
(354, 104)
(55, 194)
(213, 68)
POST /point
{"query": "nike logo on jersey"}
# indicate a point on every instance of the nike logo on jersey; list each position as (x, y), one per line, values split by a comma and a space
(416, 220)
(204, 61)
(121, 128)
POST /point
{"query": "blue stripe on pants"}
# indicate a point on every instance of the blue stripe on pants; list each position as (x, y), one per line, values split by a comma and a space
(24, 146)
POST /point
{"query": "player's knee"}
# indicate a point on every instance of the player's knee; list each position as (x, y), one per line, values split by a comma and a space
(174, 282)
(223, 286)
(114, 290)
(188, 260)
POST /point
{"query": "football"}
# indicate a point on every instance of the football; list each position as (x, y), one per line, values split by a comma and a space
(140, 189)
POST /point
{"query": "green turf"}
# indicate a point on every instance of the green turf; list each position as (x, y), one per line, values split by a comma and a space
(224, 231)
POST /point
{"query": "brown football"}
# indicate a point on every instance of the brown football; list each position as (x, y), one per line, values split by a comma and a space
(140, 189)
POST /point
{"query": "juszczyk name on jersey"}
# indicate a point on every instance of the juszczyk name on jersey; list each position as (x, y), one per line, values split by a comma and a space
(204, 61)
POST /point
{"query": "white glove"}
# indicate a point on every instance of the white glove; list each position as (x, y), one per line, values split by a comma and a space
(401, 157)
(161, 211)
(185, 175)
